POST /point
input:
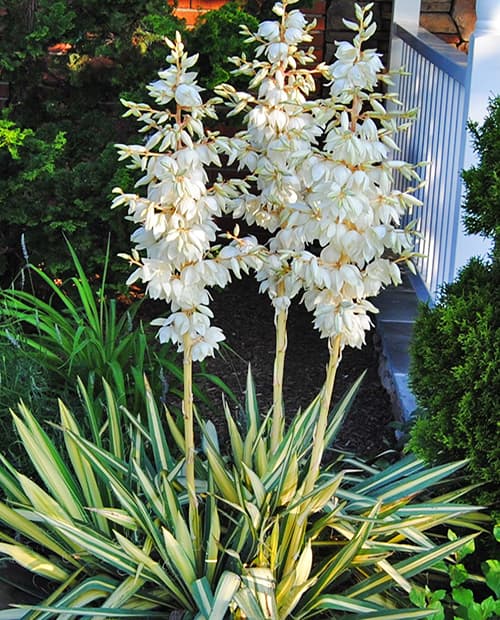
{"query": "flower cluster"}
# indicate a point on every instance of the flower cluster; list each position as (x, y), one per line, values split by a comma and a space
(177, 230)
(321, 174)
(320, 180)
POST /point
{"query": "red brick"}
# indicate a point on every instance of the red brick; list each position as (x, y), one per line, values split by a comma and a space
(436, 6)
(439, 23)
(182, 4)
(207, 5)
(450, 38)
(318, 41)
(190, 15)
(321, 24)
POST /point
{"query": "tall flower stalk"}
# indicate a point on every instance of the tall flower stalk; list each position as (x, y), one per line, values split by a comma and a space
(177, 230)
(279, 137)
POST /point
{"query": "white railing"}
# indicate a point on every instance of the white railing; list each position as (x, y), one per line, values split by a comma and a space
(445, 85)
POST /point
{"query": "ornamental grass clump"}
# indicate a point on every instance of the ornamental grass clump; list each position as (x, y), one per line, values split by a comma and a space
(138, 518)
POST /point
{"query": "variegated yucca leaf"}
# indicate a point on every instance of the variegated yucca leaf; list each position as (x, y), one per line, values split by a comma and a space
(267, 550)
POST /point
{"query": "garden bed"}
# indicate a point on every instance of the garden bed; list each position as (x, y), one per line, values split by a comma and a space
(246, 317)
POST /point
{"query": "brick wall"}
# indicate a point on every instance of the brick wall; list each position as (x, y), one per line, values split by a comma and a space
(451, 20)
(318, 11)
(190, 10)
(344, 9)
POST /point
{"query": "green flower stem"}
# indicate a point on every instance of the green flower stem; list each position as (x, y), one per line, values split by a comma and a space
(278, 418)
(321, 426)
(189, 447)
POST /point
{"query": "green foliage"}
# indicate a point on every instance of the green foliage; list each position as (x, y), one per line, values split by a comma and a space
(11, 136)
(217, 38)
(81, 331)
(65, 127)
(120, 34)
(104, 519)
(468, 596)
(455, 375)
(455, 355)
(482, 198)
(66, 165)
(20, 376)
(50, 191)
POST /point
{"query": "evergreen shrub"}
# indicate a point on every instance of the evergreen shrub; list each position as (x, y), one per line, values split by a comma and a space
(455, 354)
(455, 375)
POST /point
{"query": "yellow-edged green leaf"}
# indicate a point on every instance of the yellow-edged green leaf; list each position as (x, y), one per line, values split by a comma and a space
(96, 545)
(237, 447)
(214, 534)
(177, 435)
(420, 481)
(116, 435)
(223, 481)
(83, 470)
(48, 463)
(41, 501)
(261, 582)
(38, 535)
(290, 481)
(152, 567)
(407, 568)
(256, 484)
(179, 559)
(227, 587)
(34, 562)
(397, 614)
(343, 603)
(203, 596)
(163, 458)
(406, 466)
(153, 498)
(118, 516)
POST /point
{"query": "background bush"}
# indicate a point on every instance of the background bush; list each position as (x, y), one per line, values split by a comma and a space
(217, 35)
(65, 105)
(455, 375)
(455, 353)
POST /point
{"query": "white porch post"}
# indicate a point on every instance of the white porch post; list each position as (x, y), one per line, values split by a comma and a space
(483, 82)
(406, 13)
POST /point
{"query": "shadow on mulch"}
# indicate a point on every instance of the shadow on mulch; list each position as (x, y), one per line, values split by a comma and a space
(246, 318)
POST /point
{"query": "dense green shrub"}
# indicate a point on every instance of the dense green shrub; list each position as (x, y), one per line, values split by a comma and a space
(57, 188)
(455, 354)
(482, 198)
(107, 53)
(455, 375)
(59, 177)
(217, 35)
(64, 107)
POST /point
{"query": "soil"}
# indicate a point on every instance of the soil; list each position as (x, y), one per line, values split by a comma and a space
(246, 317)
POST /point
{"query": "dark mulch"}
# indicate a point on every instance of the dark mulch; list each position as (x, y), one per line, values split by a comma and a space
(246, 318)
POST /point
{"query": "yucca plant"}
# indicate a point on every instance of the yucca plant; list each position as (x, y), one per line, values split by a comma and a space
(105, 520)
(354, 544)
